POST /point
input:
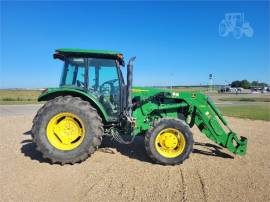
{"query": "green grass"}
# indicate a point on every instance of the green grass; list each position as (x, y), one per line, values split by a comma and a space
(19, 96)
(243, 99)
(256, 112)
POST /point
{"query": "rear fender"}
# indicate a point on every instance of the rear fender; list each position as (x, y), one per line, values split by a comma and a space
(53, 93)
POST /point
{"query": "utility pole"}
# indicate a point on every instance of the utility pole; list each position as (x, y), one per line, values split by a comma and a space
(210, 87)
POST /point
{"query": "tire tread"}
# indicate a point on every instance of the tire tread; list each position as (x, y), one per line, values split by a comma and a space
(165, 121)
(84, 106)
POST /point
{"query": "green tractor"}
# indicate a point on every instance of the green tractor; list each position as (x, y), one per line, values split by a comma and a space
(93, 100)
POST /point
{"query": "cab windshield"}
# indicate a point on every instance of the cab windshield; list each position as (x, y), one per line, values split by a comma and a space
(96, 76)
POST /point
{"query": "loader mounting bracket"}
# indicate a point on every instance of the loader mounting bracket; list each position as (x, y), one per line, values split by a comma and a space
(236, 145)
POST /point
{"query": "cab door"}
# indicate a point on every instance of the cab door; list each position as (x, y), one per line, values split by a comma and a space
(104, 82)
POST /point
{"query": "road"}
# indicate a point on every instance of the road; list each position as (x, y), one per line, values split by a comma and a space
(18, 110)
(124, 172)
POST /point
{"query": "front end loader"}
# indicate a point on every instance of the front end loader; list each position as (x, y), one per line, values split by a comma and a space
(93, 100)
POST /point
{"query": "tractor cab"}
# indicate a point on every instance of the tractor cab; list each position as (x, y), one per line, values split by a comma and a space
(95, 72)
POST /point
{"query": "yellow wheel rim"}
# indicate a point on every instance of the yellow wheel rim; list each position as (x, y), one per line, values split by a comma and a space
(170, 143)
(65, 131)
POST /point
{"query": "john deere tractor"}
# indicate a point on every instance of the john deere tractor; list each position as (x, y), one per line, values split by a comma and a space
(93, 100)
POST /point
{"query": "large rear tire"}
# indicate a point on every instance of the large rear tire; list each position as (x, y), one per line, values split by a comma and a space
(169, 141)
(67, 130)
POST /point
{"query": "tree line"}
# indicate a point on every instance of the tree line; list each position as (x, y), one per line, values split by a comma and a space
(246, 84)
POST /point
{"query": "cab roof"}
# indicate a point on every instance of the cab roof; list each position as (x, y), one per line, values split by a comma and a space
(61, 53)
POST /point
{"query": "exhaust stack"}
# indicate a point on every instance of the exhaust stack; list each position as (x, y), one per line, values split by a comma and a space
(129, 85)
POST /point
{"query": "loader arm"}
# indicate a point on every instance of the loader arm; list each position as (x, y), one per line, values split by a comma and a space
(210, 121)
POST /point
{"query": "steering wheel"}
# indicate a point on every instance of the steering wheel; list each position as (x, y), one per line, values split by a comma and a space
(103, 87)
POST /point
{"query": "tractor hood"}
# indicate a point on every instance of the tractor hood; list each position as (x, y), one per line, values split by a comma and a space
(145, 92)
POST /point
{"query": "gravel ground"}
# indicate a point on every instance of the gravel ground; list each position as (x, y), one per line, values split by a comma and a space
(124, 173)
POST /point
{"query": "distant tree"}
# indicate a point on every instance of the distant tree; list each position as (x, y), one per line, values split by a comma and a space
(258, 84)
(236, 84)
(254, 83)
(245, 84)
(263, 84)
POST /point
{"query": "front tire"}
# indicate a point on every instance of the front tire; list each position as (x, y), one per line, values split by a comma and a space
(169, 141)
(67, 130)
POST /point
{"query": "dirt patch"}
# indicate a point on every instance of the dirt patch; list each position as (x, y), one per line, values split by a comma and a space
(124, 173)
